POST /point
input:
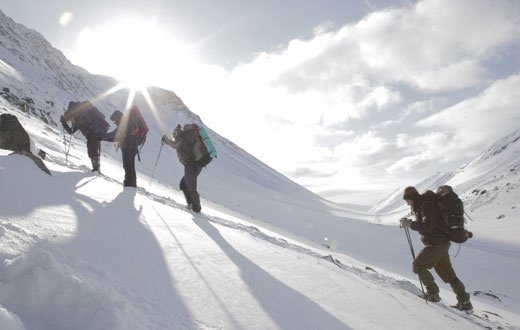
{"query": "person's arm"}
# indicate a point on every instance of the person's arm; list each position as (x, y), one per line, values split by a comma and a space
(66, 127)
(166, 140)
(109, 137)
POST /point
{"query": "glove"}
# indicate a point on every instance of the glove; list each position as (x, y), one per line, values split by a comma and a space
(164, 139)
(405, 223)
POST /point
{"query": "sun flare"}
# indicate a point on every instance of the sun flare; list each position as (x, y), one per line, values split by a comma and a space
(136, 52)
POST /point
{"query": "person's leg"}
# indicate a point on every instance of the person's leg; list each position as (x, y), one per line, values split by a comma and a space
(445, 270)
(427, 259)
(463, 298)
(129, 166)
(190, 178)
(184, 189)
(94, 151)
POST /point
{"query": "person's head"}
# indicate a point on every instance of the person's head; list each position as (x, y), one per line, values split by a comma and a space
(410, 195)
(116, 117)
(176, 131)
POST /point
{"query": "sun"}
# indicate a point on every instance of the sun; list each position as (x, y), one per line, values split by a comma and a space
(136, 52)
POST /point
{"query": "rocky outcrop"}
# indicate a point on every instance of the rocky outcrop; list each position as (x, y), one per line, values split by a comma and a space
(14, 137)
(12, 134)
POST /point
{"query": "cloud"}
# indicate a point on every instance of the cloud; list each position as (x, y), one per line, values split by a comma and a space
(307, 172)
(434, 45)
(418, 151)
(480, 120)
(363, 98)
(330, 140)
(366, 149)
(409, 163)
(379, 98)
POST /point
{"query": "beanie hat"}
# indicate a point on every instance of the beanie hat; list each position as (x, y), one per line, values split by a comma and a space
(177, 130)
(410, 193)
(116, 115)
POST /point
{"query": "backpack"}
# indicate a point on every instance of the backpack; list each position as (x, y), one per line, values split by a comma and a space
(452, 213)
(88, 116)
(139, 132)
(202, 148)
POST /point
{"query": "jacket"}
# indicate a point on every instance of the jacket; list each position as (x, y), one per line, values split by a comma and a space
(183, 144)
(428, 220)
(122, 134)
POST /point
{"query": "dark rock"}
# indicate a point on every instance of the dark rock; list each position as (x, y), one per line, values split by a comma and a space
(42, 154)
(12, 134)
(14, 137)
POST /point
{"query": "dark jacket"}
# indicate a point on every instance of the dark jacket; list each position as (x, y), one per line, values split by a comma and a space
(85, 129)
(86, 118)
(428, 220)
(183, 144)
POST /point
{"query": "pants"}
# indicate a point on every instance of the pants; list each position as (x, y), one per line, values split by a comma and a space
(129, 166)
(188, 183)
(437, 257)
(93, 147)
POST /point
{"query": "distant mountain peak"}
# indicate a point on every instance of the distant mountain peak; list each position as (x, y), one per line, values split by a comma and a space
(510, 141)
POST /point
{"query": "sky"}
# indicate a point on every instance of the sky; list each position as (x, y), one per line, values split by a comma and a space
(96, 255)
(352, 99)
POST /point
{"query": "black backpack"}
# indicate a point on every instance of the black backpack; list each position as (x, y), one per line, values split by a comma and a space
(452, 212)
(88, 116)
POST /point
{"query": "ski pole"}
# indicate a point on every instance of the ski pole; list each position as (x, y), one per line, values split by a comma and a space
(155, 166)
(68, 149)
(466, 213)
(64, 145)
(409, 238)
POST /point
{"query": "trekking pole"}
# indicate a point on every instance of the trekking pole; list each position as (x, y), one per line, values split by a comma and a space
(68, 149)
(409, 238)
(64, 145)
(466, 213)
(155, 166)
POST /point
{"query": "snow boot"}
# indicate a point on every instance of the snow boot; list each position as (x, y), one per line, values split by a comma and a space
(463, 305)
(196, 208)
(95, 164)
(431, 296)
(463, 301)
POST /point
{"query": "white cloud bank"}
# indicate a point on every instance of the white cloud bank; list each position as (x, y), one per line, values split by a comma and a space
(299, 107)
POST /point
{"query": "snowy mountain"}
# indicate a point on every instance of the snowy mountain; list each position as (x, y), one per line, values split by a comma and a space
(394, 202)
(488, 185)
(79, 251)
(38, 80)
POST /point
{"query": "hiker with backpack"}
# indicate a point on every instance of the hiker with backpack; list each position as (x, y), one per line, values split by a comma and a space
(194, 155)
(130, 134)
(429, 223)
(91, 123)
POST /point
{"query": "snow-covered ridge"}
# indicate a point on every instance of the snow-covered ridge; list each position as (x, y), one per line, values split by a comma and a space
(394, 202)
(510, 141)
(495, 171)
(39, 81)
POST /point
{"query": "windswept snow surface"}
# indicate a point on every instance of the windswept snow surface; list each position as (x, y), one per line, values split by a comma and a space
(79, 251)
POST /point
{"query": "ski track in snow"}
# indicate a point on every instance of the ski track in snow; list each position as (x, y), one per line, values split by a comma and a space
(482, 318)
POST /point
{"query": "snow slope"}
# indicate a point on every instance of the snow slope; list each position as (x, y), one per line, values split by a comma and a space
(80, 252)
